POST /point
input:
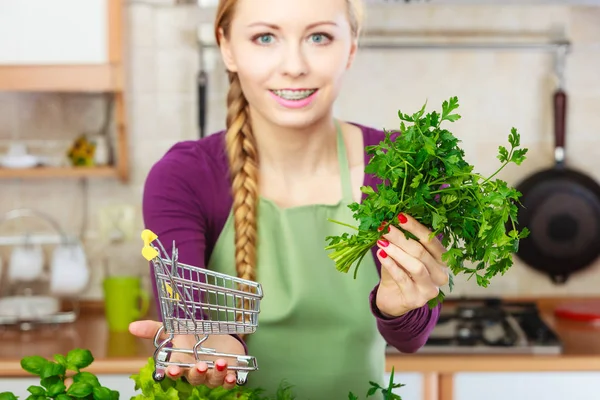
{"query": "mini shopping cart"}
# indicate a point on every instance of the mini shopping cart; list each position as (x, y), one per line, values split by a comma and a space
(197, 301)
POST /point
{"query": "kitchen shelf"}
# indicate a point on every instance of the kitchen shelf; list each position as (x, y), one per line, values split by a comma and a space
(61, 78)
(106, 76)
(59, 172)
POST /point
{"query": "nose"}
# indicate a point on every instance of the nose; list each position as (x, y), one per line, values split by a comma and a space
(293, 62)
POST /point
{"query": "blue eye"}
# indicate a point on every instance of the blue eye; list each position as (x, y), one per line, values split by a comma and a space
(319, 38)
(264, 39)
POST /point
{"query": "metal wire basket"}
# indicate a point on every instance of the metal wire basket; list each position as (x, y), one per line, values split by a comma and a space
(200, 302)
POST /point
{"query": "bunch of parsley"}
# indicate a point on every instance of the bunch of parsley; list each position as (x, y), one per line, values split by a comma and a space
(424, 174)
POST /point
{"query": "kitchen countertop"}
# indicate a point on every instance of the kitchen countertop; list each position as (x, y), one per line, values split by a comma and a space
(121, 353)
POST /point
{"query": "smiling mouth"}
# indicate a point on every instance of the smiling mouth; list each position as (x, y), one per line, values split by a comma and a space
(294, 95)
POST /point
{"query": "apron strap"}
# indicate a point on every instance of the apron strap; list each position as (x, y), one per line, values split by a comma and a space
(344, 168)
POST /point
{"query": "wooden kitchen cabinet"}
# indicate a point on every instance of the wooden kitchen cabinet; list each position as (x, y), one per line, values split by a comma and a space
(57, 32)
(66, 46)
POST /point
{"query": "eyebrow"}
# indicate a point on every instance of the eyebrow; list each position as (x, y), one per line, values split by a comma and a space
(275, 27)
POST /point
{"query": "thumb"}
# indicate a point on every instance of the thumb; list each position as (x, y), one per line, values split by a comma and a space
(145, 329)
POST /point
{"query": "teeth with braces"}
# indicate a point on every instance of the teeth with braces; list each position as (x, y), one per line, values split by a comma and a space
(294, 94)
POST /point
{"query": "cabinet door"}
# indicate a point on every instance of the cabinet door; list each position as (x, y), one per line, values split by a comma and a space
(51, 32)
(527, 386)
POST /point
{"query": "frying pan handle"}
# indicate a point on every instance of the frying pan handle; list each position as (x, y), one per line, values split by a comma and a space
(560, 107)
(202, 83)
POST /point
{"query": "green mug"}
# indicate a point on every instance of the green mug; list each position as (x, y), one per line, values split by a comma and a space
(125, 301)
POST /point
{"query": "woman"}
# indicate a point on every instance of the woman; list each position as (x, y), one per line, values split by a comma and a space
(319, 329)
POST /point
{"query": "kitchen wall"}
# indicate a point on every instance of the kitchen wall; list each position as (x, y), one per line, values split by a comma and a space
(496, 90)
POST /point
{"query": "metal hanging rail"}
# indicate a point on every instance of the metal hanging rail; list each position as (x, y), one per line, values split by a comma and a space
(490, 46)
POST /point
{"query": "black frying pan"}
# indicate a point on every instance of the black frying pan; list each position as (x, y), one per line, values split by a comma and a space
(561, 208)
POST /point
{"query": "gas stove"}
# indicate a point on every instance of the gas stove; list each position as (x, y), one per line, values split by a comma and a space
(490, 326)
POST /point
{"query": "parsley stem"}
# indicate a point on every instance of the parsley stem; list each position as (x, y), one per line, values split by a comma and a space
(501, 167)
(404, 181)
(342, 223)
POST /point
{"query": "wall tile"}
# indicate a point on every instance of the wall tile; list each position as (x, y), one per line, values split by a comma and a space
(585, 28)
(176, 27)
(176, 70)
(141, 25)
(143, 119)
(8, 115)
(177, 117)
(142, 71)
(583, 64)
(40, 115)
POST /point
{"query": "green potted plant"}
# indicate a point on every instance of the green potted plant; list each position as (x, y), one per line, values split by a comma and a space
(53, 375)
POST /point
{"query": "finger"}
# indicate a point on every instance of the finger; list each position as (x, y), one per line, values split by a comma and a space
(412, 247)
(394, 271)
(416, 269)
(416, 295)
(216, 376)
(145, 329)
(230, 380)
(197, 375)
(438, 272)
(433, 245)
(174, 372)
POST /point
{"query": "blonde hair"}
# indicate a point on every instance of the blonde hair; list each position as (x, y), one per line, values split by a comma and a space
(242, 152)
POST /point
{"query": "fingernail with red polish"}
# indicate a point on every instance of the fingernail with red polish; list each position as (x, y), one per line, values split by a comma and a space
(402, 218)
(202, 369)
(383, 243)
(382, 253)
(381, 226)
(220, 366)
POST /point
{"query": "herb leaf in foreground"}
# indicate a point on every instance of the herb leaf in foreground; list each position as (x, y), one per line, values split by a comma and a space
(424, 175)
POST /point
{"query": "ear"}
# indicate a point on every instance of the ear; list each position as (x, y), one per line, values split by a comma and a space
(226, 55)
(353, 49)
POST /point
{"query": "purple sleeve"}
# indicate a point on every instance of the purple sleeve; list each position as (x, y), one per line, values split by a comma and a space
(175, 206)
(409, 332)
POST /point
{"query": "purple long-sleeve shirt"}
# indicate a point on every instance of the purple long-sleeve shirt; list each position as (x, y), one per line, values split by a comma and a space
(187, 199)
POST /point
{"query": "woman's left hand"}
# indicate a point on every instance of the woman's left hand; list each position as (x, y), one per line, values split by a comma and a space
(412, 272)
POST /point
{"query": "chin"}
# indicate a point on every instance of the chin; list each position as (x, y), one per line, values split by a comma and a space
(297, 120)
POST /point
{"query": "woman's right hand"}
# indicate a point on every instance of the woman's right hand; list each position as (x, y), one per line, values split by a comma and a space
(200, 374)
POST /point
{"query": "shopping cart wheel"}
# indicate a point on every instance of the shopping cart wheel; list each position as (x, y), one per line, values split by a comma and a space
(242, 377)
(158, 375)
(160, 358)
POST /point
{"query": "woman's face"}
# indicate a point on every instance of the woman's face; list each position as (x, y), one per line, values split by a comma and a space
(290, 56)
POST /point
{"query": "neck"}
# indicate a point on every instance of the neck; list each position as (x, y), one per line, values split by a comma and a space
(309, 151)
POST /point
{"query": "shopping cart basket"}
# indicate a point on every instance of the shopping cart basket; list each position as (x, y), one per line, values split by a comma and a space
(197, 301)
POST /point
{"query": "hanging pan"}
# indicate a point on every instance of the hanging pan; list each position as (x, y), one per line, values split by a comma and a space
(561, 208)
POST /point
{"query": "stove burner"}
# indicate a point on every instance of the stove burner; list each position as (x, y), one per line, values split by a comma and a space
(468, 333)
(491, 325)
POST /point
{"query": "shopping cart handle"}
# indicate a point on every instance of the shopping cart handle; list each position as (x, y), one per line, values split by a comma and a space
(148, 237)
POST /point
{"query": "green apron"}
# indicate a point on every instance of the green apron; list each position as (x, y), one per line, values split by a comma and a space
(315, 327)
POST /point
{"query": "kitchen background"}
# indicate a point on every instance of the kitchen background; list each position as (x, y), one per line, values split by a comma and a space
(497, 90)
